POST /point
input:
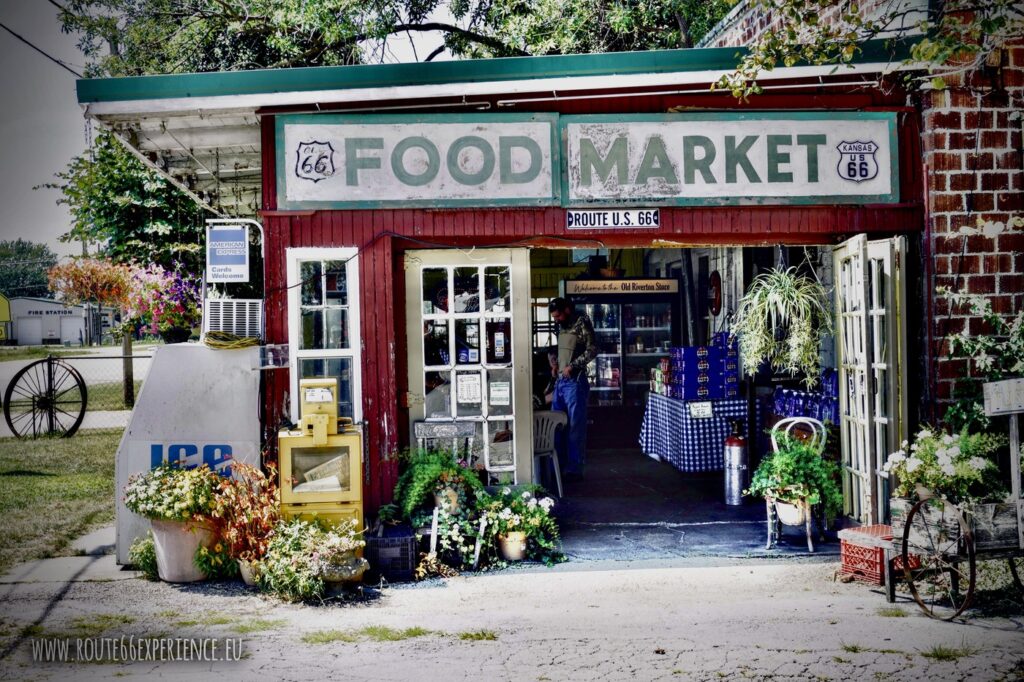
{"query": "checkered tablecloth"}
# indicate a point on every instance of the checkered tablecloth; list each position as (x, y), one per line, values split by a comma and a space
(669, 433)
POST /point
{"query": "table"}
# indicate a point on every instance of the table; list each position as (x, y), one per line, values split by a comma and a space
(670, 434)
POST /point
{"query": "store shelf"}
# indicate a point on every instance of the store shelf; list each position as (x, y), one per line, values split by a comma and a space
(608, 355)
(648, 329)
(607, 330)
(604, 388)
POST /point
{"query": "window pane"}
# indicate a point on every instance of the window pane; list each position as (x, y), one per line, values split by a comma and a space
(499, 392)
(436, 350)
(435, 291)
(312, 329)
(496, 288)
(468, 394)
(312, 283)
(499, 341)
(335, 283)
(467, 342)
(499, 440)
(338, 368)
(321, 469)
(437, 399)
(337, 327)
(467, 290)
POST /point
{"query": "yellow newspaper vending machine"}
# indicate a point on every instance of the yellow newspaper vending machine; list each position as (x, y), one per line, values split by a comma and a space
(321, 461)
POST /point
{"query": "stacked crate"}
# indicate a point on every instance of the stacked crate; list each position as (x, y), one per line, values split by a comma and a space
(661, 377)
(730, 354)
(696, 373)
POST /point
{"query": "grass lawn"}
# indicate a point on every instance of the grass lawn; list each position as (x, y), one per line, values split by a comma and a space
(52, 490)
(8, 353)
(109, 395)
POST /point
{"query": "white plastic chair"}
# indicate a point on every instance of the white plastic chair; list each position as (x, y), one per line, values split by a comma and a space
(545, 424)
(819, 434)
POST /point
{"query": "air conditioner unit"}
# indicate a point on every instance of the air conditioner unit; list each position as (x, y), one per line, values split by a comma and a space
(238, 316)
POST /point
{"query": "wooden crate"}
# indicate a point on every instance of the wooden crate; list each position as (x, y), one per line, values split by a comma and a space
(994, 526)
(943, 517)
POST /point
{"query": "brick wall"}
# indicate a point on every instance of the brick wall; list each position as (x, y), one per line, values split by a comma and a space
(973, 168)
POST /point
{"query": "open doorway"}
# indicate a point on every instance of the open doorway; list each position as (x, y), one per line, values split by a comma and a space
(645, 305)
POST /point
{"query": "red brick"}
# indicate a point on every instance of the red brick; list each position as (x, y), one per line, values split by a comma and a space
(1012, 78)
(968, 264)
(982, 201)
(953, 325)
(959, 220)
(1008, 160)
(961, 182)
(996, 263)
(952, 369)
(1001, 304)
(975, 120)
(933, 141)
(1011, 242)
(996, 180)
(1016, 56)
(945, 390)
(948, 246)
(939, 99)
(994, 139)
(982, 161)
(960, 140)
(1010, 201)
(981, 284)
(1011, 284)
(979, 326)
(979, 244)
(946, 161)
(937, 182)
(947, 202)
(940, 223)
(942, 265)
(943, 119)
(962, 99)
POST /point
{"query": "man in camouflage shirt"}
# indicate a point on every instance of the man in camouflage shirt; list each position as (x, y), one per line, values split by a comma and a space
(572, 389)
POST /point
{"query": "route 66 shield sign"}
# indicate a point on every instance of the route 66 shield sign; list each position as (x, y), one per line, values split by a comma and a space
(314, 161)
(857, 161)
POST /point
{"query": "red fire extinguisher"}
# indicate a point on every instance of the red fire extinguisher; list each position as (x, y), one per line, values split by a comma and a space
(735, 465)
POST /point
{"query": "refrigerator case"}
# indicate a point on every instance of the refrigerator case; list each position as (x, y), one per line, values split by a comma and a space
(634, 332)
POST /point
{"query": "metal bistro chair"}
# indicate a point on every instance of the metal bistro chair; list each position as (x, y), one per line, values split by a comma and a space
(803, 514)
(545, 424)
(426, 432)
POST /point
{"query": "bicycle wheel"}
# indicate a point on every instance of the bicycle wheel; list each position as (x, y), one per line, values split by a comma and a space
(46, 397)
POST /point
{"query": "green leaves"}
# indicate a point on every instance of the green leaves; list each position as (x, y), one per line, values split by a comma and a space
(798, 471)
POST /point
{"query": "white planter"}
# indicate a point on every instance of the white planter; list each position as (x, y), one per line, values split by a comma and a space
(246, 570)
(513, 546)
(176, 543)
(791, 514)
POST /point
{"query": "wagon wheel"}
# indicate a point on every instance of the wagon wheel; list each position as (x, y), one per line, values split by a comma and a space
(47, 397)
(938, 560)
(1016, 572)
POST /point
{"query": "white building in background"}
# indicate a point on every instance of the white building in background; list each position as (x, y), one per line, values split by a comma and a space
(38, 321)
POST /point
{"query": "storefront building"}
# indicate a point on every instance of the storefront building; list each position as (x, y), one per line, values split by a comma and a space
(418, 217)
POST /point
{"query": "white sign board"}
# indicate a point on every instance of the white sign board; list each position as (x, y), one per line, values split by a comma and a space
(1004, 397)
(598, 219)
(729, 159)
(621, 286)
(227, 254)
(365, 162)
(701, 410)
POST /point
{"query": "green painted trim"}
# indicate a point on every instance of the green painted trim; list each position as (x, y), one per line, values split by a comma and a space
(282, 159)
(893, 197)
(307, 79)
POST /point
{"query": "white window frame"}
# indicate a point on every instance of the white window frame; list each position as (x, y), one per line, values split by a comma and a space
(294, 256)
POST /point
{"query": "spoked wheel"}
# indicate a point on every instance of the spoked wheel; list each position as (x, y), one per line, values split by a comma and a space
(938, 559)
(47, 397)
(1016, 572)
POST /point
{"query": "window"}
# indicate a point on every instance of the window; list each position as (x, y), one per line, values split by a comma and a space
(323, 323)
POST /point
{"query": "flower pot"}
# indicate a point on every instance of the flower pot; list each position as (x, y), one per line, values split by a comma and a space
(176, 543)
(791, 514)
(349, 569)
(512, 545)
(175, 334)
(447, 499)
(247, 571)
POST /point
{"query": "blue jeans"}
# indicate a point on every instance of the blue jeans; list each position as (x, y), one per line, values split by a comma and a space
(571, 397)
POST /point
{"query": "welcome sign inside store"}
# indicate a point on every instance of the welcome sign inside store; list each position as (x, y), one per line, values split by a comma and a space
(336, 161)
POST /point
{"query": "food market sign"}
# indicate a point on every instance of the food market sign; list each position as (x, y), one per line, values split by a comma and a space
(486, 160)
(406, 161)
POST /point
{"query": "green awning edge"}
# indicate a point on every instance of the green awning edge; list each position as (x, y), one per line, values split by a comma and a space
(269, 81)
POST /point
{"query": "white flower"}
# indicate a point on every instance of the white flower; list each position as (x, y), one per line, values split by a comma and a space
(547, 503)
(948, 469)
(526, 494)
(506, 491)
(904, 445)
(532, 503)
(977, 463)
(912, 464)
(954, 451)
(947, 439)
(924, 433)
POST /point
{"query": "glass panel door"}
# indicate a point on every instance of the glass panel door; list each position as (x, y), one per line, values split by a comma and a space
(464, 351)
(648, 337)
(605, 374)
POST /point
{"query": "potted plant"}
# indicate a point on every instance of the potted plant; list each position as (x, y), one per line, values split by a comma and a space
(303, 557)
(178, 502)
(795, 478)
(781, 320)
(953, 469)
(247, 510)
(437, 476)
(166, 300)
(521, 524)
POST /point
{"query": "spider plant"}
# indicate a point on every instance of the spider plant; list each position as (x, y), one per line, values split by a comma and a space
(781, 320)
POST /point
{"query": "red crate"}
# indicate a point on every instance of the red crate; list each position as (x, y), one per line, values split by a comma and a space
(863, 553)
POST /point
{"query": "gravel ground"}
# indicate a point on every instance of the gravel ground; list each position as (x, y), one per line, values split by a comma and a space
(610, 621)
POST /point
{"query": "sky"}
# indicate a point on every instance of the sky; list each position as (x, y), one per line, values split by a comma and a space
(41, 124)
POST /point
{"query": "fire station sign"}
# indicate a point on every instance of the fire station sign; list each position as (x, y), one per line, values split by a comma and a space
(587, 162)
(329, 161)
(732, 158)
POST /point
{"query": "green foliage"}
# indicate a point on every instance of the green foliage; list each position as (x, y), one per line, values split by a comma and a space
(142, 555)
(128, 211)
(797, 471)
(177, 36)
(781, 320)
(958, 36)
(23, 266)
(302, 555)
(510, 510)
(215, 562)
(428, 471)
